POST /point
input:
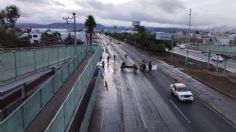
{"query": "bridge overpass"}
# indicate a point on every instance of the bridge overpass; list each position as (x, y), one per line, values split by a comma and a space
(221, 49)
(227, 51)
(53, 105)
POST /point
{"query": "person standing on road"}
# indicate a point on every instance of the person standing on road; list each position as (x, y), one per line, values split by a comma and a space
(103, 64)
(126, 56)
(150, 66)
(114, 57)
(143, 63)
(108, 58)
(144, 67)
(106, 86)
(135, 68)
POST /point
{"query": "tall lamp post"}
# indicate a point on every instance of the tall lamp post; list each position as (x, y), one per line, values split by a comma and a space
(172, 41)
(189, 27)
(74, 27)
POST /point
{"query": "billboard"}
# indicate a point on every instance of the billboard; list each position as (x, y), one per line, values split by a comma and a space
(135, 23)
(163, 36)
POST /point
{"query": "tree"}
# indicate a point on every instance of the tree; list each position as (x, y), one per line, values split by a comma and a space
(11, 38)
(9, 16)
(49, 37)
(12, 13)
(90, 25)
(57, 36)
(2, 18)
(140, 29)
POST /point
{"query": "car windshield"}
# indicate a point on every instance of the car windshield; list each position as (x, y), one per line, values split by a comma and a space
(183, 89)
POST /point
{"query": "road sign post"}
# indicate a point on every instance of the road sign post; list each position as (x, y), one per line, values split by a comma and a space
(186, 57)
(171, 59)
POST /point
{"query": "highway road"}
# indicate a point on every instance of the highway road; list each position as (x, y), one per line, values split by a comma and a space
(203, 57)
(141, 102)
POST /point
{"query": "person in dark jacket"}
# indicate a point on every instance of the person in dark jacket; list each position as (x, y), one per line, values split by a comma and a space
(103, 64)
(150, 66)
(114, 57)
(126, 56)
(108, 58)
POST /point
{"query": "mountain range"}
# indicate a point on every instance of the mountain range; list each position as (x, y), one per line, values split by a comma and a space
(99, 27)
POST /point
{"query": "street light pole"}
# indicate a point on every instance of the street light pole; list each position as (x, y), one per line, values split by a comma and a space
(189, 27)
(74, 27)
(172, 37)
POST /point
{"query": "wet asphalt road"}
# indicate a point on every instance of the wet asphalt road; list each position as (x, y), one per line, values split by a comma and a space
(140, 102)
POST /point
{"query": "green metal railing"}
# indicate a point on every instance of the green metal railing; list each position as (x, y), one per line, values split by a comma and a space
(20, 118)
(89, 110)
(227, 49)
(63, 116)
(17, 63)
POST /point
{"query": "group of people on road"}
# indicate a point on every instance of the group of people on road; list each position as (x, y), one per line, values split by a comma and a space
(143, 66)
(108, 59)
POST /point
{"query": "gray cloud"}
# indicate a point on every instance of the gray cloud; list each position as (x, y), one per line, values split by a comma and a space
(144, 10)
(34, 1)
(57, 3)
(171, 6)
(164, 12)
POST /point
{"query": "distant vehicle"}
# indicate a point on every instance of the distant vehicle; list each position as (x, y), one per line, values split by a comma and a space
(217, 58)
(182, 46)
(181, 92)
(99, 64)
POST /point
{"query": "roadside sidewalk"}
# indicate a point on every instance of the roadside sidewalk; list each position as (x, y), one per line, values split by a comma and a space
(221, 103)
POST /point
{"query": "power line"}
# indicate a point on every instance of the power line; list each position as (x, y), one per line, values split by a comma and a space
(67, 18)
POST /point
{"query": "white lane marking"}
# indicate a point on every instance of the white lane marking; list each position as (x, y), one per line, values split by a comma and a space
(180, 112)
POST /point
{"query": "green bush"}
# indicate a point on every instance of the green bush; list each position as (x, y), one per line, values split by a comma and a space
(9, 39)
(143, 40)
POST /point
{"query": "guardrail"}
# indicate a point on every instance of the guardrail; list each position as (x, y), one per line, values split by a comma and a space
(20, 118)
(227, 49)
(17, 63)
(89, 110)
(63, 116)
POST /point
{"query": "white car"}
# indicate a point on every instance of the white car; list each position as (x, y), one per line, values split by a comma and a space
(215, 58)
(181, 92)
(182, 46)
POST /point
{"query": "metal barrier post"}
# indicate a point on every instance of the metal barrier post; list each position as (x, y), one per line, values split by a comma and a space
(14, 52)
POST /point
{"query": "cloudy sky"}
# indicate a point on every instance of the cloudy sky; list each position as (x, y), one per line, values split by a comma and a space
(163, 13)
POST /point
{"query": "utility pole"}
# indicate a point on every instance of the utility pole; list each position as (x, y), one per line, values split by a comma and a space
(189, 28)
(74, 26)
(172, 41)
(189, 25)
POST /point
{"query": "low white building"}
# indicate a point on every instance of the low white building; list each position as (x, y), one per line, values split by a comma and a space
(226, 39)
(35, 37)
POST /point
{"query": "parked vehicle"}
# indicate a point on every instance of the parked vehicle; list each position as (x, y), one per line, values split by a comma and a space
(217, 58)
(182, 46)
(181, 92)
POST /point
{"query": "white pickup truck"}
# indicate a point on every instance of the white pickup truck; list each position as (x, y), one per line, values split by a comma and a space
(181, 92)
